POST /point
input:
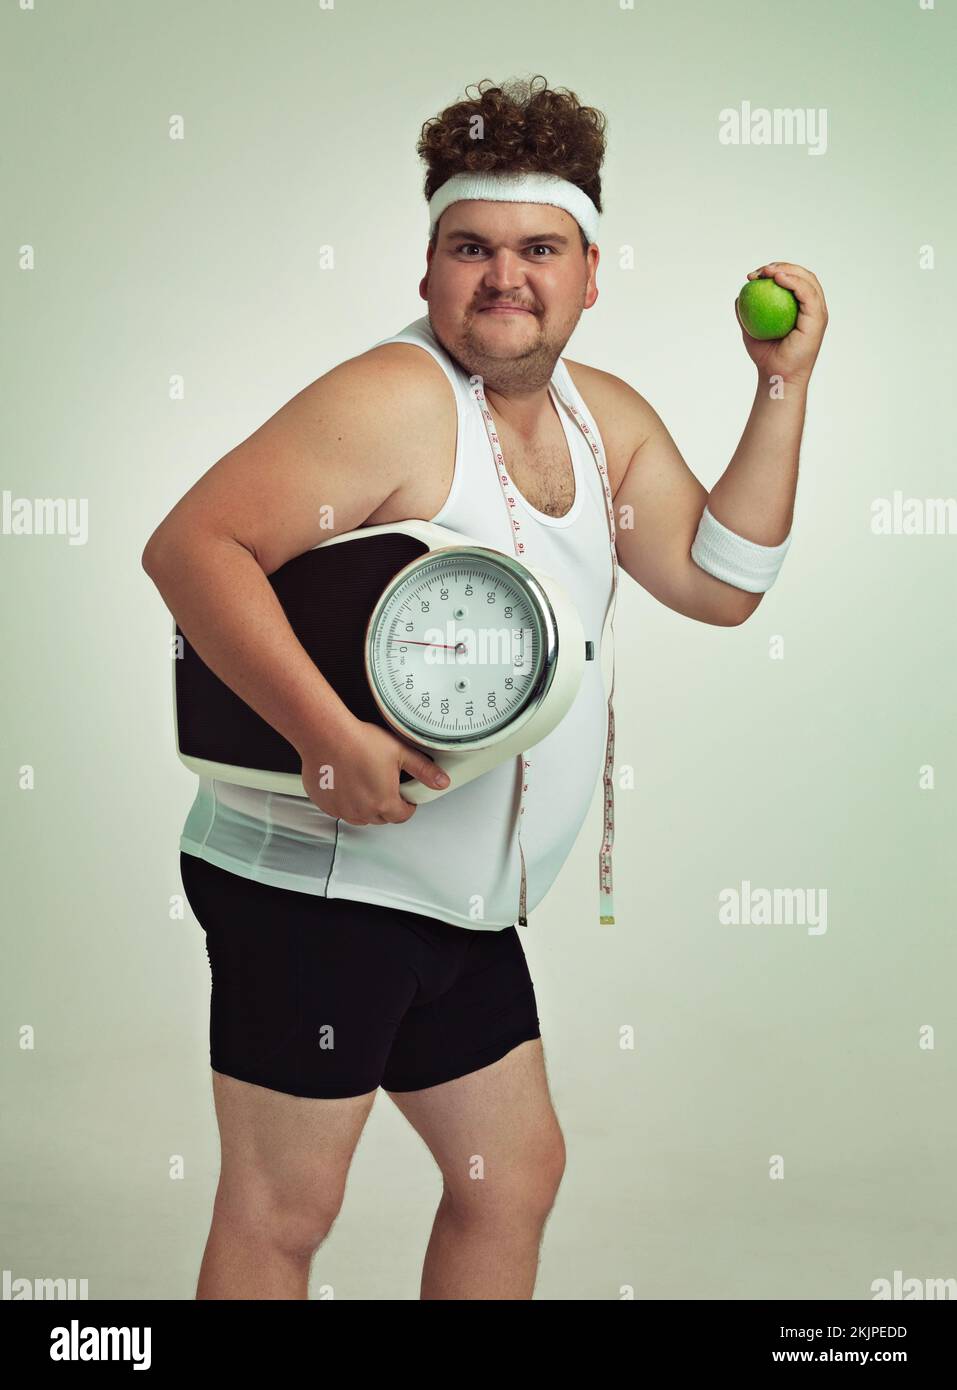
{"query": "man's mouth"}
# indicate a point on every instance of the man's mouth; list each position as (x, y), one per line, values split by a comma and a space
(504, 309)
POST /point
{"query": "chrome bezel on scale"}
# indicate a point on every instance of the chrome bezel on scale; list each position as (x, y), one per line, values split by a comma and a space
(549, 645)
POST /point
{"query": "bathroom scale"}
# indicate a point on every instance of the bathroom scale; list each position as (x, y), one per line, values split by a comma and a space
(467, 653)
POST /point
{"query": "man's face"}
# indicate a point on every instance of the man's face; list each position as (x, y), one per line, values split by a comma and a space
(506, 284)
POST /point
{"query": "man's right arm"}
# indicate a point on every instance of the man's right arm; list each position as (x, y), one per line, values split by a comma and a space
(329, 453)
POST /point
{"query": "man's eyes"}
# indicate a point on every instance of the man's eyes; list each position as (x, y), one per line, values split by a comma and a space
(540, 246)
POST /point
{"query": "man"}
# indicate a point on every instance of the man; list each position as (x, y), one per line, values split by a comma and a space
(357, 940)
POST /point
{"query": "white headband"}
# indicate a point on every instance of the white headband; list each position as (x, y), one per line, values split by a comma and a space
(516, 188)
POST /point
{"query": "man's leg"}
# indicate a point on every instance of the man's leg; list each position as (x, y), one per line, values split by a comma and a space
(306, 994)
(284, 1164)
(496, 1139)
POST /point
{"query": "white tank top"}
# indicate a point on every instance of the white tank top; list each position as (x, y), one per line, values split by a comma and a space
(458, 857)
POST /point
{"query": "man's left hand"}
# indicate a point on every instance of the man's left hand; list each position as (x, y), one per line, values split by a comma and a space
(793, 356)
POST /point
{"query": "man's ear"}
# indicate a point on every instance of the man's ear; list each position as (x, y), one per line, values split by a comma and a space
(592, 258)
(424, 282)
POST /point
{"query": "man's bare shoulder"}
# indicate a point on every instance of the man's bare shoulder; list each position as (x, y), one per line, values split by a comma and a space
(609, 391)
(623, 416)
(404, 410)
(383, 373)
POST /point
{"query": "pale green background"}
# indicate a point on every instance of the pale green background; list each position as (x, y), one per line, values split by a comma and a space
(200, 257)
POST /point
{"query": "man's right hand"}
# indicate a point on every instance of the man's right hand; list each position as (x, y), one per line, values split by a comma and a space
(358, 779)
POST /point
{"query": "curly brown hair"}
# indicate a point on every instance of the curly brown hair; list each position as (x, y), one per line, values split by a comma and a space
(522, 128)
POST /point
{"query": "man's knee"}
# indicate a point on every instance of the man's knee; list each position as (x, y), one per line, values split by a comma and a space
(522, 1188)
(293, 1222)
(551, 1174)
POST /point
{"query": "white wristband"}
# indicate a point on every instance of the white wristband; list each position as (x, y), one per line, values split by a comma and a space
(737, 561)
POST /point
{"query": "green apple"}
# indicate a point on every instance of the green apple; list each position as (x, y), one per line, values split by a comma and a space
(767, 309)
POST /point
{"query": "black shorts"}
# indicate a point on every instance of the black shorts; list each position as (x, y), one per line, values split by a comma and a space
(327, 997)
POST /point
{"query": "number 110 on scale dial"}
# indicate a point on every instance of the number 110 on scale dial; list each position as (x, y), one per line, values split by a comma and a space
(460, 646)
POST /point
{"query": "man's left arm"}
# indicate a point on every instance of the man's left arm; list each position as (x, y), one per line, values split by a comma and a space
(713, 557)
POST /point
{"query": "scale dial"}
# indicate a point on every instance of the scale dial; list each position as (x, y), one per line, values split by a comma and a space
(461, 646)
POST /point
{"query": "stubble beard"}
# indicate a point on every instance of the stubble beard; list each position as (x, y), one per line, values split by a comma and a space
(528, 368)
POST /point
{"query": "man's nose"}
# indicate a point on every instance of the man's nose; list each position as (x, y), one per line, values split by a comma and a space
(504, 270)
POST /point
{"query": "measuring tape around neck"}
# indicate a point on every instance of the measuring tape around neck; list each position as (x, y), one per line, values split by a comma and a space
(606, 908)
